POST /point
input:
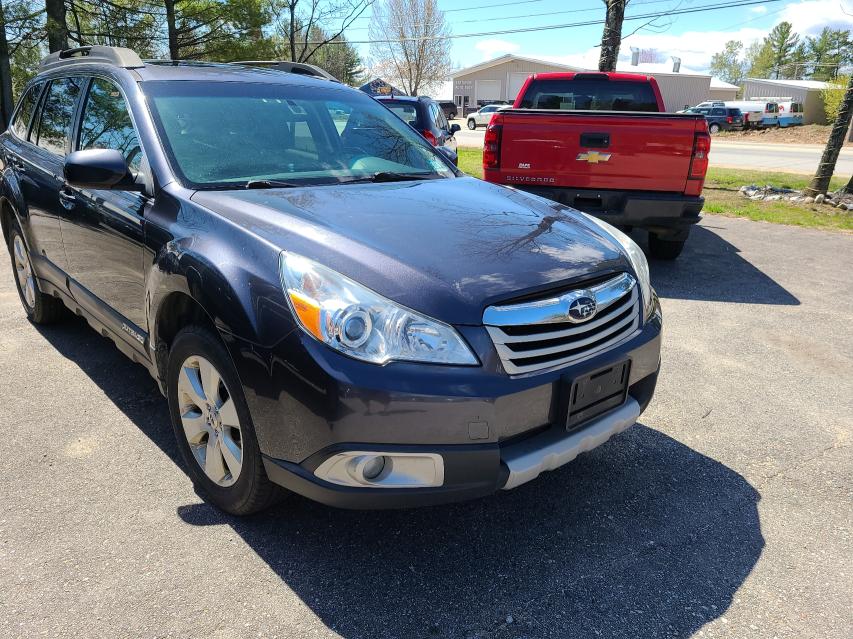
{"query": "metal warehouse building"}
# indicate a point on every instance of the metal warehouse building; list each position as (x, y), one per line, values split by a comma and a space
(723, 90)
(805, 91)
(497, 80)
(679, 87)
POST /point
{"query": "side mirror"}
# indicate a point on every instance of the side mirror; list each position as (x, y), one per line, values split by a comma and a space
(99, 169)
(449, 153)
(454, 128)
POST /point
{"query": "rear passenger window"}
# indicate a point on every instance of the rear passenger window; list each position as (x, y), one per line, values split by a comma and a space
(590, 95)
(25, 111)
(57, 113)
(107, 125)
(718, 111)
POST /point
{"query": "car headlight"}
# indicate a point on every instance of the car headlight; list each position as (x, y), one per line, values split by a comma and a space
(638, 261)
(360, 323)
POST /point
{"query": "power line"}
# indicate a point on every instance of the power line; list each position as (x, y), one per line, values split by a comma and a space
(527, 15)
(724, 5)
(479, 6)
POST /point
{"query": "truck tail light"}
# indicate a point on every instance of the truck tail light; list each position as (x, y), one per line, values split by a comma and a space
(699, 161)
(729, 119)
(430, 137)
(492, 144)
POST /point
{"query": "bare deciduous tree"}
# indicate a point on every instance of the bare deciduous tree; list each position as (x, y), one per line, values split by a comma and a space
(300, 21)
(410, 43)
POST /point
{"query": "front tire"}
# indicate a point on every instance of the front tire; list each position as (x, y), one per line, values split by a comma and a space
(664, 249)
(472, 125)
(40, 308)
(213, 427)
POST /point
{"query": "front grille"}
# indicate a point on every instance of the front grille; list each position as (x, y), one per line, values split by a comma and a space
(540, 334)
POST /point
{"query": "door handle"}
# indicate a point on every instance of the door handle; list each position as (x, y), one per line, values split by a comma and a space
(595, 140)
(67, 197)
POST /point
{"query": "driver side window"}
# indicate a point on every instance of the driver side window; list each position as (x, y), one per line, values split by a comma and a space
(106, 123)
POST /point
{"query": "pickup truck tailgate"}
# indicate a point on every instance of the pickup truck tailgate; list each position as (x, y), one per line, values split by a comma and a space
(601, 150)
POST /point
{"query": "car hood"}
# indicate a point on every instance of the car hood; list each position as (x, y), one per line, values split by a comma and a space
(446, 247)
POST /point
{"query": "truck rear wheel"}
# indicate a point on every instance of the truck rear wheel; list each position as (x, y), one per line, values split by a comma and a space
(664, 249)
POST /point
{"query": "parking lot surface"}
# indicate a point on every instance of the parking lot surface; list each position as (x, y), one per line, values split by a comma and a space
(726, 512)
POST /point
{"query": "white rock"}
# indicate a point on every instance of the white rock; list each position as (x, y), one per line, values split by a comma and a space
(819, 198)
(808, 199)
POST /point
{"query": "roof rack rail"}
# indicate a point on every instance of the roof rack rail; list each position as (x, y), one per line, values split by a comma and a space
(117, 56)
(288, 66)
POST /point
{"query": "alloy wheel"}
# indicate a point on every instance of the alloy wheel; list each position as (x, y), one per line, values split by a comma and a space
(24, 271)
(210, 421)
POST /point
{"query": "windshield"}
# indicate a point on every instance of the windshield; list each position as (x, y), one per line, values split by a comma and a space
(234, 134)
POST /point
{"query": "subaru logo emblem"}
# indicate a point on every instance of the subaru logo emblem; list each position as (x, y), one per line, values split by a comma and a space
(582, 308)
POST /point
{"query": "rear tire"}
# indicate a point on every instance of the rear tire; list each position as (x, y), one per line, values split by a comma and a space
(714, 128)
(40, 308)
(663, 249)
(472, 125)
(213, 427)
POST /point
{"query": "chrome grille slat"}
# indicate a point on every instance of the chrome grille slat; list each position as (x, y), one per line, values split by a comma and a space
(500, 337)
(504, 351)
(617, 320)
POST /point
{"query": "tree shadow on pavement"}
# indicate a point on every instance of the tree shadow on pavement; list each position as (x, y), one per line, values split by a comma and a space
(642, 537)
(712, 269)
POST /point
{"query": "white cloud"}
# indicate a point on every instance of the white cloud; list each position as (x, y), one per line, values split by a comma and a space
(695, 48)
(810, 16)
(760, 9)
(492, 48)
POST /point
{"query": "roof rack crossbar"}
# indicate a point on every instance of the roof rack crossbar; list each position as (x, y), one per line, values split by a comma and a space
(117, 56)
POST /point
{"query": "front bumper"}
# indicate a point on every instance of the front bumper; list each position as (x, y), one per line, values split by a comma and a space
(492, 430)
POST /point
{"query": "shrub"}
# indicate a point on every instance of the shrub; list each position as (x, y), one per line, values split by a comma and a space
(832, 97)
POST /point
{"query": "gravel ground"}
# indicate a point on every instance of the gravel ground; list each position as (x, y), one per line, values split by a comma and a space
(725, 513)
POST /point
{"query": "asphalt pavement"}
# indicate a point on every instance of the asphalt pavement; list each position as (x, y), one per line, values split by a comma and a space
(726, 512)
(793, 158)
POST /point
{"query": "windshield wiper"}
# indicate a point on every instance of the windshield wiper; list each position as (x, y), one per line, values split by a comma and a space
(271, 184)
(391, 176)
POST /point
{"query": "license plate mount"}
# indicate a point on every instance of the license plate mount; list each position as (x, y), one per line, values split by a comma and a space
(595, 393)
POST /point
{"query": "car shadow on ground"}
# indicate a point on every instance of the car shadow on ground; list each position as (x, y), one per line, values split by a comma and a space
(642, 537)
(712, 269)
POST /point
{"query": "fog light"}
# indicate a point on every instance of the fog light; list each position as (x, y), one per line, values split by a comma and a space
(373, 467)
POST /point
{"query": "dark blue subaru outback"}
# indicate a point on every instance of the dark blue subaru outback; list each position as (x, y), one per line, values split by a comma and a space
(327, 303)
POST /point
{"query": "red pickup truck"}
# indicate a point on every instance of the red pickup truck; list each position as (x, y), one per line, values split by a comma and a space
(600, 142)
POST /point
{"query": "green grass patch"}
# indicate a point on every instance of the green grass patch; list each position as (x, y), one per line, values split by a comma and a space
(722, 196)
(736, 178)
(471, 161)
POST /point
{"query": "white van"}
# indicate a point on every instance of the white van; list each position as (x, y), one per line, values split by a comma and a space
(757, 113)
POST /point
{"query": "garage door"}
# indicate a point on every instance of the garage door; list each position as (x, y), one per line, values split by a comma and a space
(516, 81)
(488, 90)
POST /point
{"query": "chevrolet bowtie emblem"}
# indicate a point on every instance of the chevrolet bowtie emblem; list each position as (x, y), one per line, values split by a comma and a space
(593, 157)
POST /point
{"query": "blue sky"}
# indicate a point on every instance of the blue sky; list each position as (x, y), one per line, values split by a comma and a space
(693, 37)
